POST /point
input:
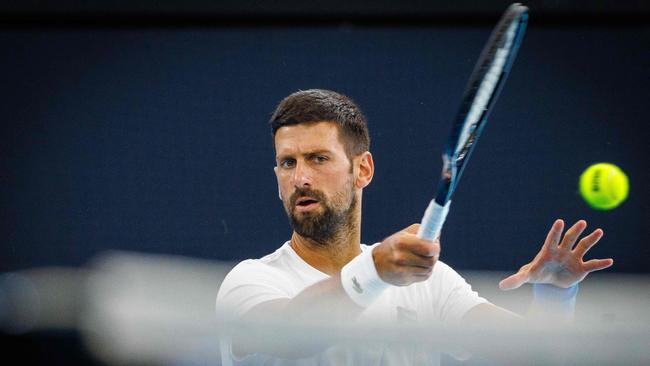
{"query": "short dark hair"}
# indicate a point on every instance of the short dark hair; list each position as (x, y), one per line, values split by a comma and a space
(316, 105)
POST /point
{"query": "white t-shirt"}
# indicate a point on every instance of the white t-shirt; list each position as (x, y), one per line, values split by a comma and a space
(444, 297)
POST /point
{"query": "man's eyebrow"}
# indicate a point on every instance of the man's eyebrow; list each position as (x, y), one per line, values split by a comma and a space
(306, 153)
(319, 151)
(283, 156)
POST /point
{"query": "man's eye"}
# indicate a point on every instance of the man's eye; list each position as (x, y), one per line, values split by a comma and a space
(287, 163)
(320, 159)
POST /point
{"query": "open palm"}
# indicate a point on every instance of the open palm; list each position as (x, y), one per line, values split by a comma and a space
(559, 262)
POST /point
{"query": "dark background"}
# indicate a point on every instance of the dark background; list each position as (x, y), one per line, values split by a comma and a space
(142, 126)
(147, 132)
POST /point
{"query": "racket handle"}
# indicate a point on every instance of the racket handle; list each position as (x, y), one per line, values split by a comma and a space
(433, 219)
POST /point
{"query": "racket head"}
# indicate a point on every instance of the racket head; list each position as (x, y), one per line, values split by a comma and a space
(482, 90)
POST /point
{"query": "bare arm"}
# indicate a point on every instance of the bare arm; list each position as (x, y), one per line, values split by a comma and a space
(323, 300)
(559, 263)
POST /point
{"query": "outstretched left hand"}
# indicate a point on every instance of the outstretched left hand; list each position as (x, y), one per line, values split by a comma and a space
(559, 263)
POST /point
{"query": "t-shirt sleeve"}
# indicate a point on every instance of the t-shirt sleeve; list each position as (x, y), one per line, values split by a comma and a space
(249, 284)
(455, 296)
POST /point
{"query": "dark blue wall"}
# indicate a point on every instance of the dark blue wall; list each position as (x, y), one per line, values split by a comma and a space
(156, 140)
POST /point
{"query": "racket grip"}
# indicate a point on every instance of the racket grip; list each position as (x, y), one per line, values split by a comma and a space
(433, 219)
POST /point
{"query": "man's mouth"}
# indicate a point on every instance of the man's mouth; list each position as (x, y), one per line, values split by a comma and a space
(306, 203)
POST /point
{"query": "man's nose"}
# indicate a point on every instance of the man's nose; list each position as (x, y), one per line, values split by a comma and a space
(302, 175)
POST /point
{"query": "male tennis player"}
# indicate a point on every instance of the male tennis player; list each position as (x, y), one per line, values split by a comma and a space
(323, 164)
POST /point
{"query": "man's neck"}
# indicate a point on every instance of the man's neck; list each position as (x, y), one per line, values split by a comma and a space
(329, 257)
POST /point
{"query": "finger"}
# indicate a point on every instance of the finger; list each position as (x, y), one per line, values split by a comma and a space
(514, 281)
(407, 259)
(554, 234)
(587, 242)
(412, 229)
(597, 264)
(421, 271)
(572, 235)
(412, 244)
(422, 276)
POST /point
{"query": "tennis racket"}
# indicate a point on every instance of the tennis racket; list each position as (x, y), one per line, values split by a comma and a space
(485, 83)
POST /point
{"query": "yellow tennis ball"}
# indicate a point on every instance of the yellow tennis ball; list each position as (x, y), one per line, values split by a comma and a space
(604, 186)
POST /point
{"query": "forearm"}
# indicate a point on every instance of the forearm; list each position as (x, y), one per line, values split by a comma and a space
(486, 326)
(553, 303)
(323, 303)
(522, 340)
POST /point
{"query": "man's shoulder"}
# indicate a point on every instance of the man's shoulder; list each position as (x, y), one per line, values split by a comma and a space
(268, 262)
(255, 275)
(278, 255)
(444, 275)
(443, 267)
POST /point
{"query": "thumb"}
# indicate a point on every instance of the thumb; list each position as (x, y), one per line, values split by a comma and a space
(412, 229)
(514, 281)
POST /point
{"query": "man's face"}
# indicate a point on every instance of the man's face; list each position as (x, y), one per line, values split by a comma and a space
(315, 178)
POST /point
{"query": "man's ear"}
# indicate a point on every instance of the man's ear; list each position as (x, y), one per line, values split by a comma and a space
(365, 169)
(275, 170)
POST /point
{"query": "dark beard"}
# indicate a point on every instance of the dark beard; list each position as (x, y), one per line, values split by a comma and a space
(322, 228)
